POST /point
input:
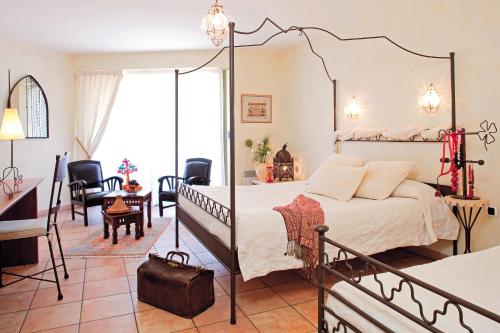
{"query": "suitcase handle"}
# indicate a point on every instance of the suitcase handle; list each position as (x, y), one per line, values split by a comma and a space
(182, 255)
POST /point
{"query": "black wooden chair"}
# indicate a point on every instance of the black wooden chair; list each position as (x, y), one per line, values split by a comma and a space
(20, 229)
(196, 172)
(87, 186)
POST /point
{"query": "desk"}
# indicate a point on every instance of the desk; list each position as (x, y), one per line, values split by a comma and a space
(19, 203)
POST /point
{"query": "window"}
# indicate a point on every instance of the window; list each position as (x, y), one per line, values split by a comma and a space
(141, 126)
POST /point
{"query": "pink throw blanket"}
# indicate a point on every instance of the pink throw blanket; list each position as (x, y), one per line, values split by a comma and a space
(300, 217)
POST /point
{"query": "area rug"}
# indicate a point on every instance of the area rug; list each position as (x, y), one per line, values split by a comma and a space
(96, 245)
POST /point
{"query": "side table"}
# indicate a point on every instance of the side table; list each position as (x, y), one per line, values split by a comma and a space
(117, 220)
(460, 207)
(139, 199)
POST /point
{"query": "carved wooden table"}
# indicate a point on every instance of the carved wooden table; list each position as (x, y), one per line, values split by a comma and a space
(467, 221)
(138, 199)
(117, 220)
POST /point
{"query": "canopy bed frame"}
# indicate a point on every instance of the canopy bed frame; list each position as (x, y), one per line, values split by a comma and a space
(228, 255)
(385, 294)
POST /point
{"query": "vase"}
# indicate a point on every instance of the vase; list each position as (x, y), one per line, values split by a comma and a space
(261, 170)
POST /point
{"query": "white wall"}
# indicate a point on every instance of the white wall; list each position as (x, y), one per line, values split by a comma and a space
(257, 72)
(388, 83)
(35, 157)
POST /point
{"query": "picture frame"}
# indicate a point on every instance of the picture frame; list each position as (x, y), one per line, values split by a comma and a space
(256, 108)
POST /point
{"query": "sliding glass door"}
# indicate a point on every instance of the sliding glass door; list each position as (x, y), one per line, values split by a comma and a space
(141, 126)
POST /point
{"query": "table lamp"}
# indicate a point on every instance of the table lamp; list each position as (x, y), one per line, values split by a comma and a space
(11, 129)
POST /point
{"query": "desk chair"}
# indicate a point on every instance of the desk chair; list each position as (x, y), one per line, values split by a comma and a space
(19, 229)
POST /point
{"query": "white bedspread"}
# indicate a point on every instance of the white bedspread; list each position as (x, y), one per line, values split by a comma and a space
(473, 277)
(368, 226)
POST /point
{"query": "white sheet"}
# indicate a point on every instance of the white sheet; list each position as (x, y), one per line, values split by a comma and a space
(369, 226)
(473, 277)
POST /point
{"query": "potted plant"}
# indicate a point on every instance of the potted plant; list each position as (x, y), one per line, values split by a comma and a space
(261, 151)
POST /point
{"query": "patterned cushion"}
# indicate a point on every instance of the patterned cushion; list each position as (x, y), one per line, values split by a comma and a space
(19, 229)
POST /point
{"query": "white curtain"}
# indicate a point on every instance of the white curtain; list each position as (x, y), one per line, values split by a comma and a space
(201, 120)
(142, 124)
(95, 96)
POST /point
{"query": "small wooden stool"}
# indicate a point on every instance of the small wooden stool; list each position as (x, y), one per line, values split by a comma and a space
(116, 220)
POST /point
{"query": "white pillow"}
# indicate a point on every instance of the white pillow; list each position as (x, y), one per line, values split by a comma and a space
(382, 178)
(336, 160)
(344, 161)
(336, 182)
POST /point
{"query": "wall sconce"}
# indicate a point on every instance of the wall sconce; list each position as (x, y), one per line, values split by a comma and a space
(352, 110)
(430, 101)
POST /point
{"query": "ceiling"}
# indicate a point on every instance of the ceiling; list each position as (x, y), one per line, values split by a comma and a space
(92, 26)
(140, 25)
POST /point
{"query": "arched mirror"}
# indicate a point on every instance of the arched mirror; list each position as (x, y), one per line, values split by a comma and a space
(28, 97)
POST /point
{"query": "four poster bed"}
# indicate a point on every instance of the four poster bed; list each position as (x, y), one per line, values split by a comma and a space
(256, 246)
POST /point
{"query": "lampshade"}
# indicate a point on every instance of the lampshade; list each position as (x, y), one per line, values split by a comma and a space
(11, 128)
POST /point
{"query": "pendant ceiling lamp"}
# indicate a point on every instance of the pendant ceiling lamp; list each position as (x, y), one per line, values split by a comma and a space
(215, 23)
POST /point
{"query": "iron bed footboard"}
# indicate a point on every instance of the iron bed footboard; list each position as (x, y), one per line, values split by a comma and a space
(220, 250)
(372, 267)
(215, 209)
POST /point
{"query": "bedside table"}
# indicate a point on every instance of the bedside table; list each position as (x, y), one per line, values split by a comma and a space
(460, 207)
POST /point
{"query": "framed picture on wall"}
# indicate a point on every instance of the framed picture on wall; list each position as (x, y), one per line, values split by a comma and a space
(256, 108)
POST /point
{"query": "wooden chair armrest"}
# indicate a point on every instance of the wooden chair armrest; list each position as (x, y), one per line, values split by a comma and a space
(196, 180)
(112, 181)
(170, 181)
(77, 190)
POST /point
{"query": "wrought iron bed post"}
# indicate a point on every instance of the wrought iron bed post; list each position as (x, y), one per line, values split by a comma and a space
(453, 105)
(321, 229)
(232, 173)
(334, 104)
(453, 124)
(176, 156)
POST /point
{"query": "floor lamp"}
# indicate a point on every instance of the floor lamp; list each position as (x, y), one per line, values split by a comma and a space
(11, 129)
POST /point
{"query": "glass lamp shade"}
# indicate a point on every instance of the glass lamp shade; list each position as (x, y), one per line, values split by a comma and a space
(353, 109)
(430, 100)
(11, 128)
(216, 24)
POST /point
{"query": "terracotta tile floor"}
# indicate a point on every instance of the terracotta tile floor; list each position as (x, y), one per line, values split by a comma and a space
(100, 295)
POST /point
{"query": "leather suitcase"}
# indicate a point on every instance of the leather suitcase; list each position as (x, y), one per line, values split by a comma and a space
(175, 286)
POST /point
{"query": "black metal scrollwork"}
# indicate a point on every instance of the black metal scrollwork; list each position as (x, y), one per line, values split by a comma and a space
(371, 269)
(212, 207)
(486, 133)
